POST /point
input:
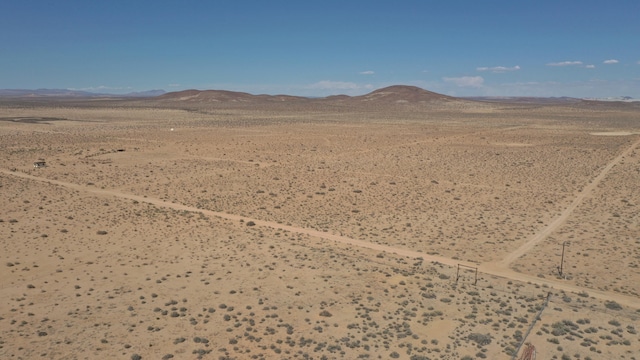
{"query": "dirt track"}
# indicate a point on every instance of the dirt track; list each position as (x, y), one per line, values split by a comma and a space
(499, 269)
(555, 224)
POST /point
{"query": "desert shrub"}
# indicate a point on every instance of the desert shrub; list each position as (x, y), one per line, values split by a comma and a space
(480, 339)
(612, 305)
(429, 295)
(325, 313)
(563, 327)
(201, 352)
(517, 335)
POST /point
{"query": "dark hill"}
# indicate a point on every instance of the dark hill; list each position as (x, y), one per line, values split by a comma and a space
(391, 94)
(404, 94)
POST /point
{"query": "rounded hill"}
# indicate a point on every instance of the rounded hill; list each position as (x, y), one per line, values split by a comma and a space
(404, 94)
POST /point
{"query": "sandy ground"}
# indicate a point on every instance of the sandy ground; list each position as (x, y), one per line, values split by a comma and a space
(260, 233)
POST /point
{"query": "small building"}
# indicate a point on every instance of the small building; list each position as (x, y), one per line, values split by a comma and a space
(39, 164)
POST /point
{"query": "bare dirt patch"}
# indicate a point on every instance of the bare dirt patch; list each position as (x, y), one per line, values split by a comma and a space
(613, 133)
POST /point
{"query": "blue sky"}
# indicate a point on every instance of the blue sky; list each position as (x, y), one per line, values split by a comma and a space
(579, 48)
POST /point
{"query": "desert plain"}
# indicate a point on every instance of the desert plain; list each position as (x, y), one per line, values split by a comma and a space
(400, 224)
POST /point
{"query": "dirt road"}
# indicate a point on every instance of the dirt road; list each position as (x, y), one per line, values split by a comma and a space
(499, 269)
(562, 218)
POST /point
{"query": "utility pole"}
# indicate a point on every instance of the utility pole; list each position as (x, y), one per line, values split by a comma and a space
(562, 258)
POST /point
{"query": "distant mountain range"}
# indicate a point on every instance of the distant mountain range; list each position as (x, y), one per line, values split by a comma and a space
(619, 98)
(392, 94)
(526, 99)
(547, 100)
(66, 93)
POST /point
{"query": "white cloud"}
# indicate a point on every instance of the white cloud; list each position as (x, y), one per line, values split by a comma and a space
(499, 69)
(611, 61)
(565, 63)
(590, 66)
(465, 81)
(330, 87)
(333, 85)
(368, 72)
